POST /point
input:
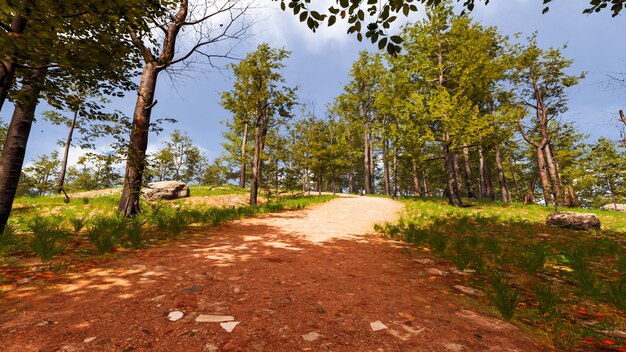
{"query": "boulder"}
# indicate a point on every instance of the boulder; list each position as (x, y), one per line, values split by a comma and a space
(165, 190)
(574, 221)
(620, 207)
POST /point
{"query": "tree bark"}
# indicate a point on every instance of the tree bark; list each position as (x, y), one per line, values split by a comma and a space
(16, 140)
(66, 152)
(242, 171)
(260, 132)
(350, 182)
(504, 191)
(543, 176)
(457, 172)
(395, 170)
(486, 186)
(366, 163)
(623, 119)
(554, 176)
(386, 167)
(7, 67)
(454, 198)
(425, 187)
(371, 169)
(416, 181)
(136, 159)
(468, 173)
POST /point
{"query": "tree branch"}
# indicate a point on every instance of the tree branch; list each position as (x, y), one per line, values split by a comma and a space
(147, 55)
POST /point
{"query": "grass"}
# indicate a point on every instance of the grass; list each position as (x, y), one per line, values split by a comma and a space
(536, 275)
(48, 239)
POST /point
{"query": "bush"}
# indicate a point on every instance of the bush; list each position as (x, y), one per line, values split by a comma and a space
(547, 298)
(534, 259)
(505, 297)
(170, 221)
(133, 231)
(77, 223)
(105, 233)
(48, 238)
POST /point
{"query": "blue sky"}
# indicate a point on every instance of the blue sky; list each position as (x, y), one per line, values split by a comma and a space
(320, 63)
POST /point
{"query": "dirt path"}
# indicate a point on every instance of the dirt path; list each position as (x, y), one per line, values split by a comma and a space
(310, 280)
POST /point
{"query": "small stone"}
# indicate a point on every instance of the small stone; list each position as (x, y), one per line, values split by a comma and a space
(399, 335)
(378, 325)
(237, 290)
(211, 318)
(454, 347)
(229, 326)
(615, 333)
(89, 339)
(44, 323)
(468, 290)
(23, 281)
(310, 337)
(424, 261)
(435, 271)
(175, 315)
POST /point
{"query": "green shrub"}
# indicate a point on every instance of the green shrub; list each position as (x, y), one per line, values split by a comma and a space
(534, 259)
(616, 293)
(105, 233)
(465, 251)
(505, 297)
(77, 223)
(171, 221)
(133, 231)
(547, 298)
(587, 282)
(48, 238)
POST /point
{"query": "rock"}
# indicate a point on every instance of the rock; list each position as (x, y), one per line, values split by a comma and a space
(424, 261)
(175, 315)
(618, 207)
(468, 290)
(487, 323)
(378, 325)
(89, 339)
(229, 326)
(211, 318)
(454, 347)
(165, 190)
(310, 337)
(435, 271)
(574, 221)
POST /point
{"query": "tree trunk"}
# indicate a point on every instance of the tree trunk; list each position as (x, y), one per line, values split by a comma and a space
(386, 167)
(395, 170)
(319, 188)
(416, 181)
(554, 177)
(543, 176)
(529, 196)
(504, 191)
(136, 159)
(351, 182)
(16, 140)
(366, 163)
(242, 170)
(371, 158)
(256, 166)
(425, 187)
(457, 172)
(486, 186)
(454, 198)
(7, 68)
(66, 152)
(468, 173)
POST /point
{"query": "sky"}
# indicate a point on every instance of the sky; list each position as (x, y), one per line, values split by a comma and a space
(320, 63)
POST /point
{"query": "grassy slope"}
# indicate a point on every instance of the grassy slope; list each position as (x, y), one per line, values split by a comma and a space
(569, 286)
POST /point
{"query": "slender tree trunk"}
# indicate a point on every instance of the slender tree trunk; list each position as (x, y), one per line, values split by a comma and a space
(504, 191)
(543, 176)
(256, 167)
(486, 190)
(457, 172)
(416, 181)
(366, 163)
(468, 173)
(425, 187)
(319, 188)
(395, 170)
(612, 190)
(242, 170)
(371, 159)
(452, 188)
(276, 175)
(7, 67)
(16, 140)
(66, 152)
(350, 182)
(136, 160)
(386, 167)
(554, 177)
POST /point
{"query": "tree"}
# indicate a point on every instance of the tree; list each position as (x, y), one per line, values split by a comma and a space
(542, 82)
(204, 23)
(39, 178)
(608, 167)
(374, 19)
(57, 43)
(260, 95)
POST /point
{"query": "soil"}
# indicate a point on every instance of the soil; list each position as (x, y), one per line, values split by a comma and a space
(309, 280)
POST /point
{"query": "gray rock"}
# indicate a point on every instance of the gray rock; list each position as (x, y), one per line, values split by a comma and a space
(229, 326)
(435, 271)
(468, 290)
(618, 207)
(211, 318)
(165, 190)
(175, 315)
(378, 325)
(574, 221)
